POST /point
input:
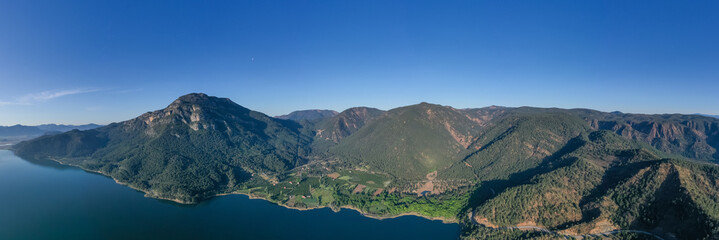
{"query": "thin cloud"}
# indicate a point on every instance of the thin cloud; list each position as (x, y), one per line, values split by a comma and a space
(13, 103)
(46, 96)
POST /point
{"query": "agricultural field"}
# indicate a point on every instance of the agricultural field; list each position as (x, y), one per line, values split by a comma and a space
(372, 180)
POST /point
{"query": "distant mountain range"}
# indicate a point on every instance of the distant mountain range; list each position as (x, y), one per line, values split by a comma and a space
(21, 130)
(566, 171)
(707, 115)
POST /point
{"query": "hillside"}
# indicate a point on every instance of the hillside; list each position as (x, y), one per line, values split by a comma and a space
(410, 142)
(517, 142)
(346, 123)
(607, 183)
(691, 136)
(330, 131)
(308, 115)
(196, 147)
(570, 171)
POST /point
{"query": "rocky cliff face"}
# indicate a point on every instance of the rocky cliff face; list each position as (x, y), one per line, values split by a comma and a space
(696, 137)
(197, 111)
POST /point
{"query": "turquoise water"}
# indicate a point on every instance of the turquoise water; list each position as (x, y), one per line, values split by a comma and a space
(45, 200)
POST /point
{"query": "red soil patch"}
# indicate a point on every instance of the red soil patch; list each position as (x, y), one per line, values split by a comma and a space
(358, 189)
(377, 192)
(484, 221)
(334, 175)
(428, 185)
(460, 138)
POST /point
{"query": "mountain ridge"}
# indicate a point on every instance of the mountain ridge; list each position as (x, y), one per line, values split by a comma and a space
(36, 130)
(432, 159)
(189, 135)
(308, 115)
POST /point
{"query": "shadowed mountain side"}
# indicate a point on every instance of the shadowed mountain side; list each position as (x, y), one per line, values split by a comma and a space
(608, 183)
(516, 143)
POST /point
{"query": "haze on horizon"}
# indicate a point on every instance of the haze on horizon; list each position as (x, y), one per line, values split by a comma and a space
(76, 62)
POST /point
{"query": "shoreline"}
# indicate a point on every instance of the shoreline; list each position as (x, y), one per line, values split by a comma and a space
(251, 196)
(365, 214)
(348, 207)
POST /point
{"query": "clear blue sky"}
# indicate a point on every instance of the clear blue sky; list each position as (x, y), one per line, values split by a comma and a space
(105, 61)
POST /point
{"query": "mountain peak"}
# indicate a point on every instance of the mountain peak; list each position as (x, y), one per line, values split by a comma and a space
(425, 105)
(197, 110)
(193, 98)
(200, 99)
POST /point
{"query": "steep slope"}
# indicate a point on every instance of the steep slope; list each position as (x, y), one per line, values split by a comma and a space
(196, 147)
(410, 142)
(487, 115)
(519, 141)
(700, 183)
(308, 115)
(549, 194)
(657, 198)
(691, 136)
(346, 123)
(608, 183)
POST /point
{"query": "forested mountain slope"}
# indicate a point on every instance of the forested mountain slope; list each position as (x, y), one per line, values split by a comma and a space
(330, 131)
(411, 142)
(196, 147)
(346, 123)
(308, 115)
(572, 171)
(606, 183)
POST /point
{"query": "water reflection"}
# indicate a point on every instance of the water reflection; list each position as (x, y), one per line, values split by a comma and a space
(47, 163)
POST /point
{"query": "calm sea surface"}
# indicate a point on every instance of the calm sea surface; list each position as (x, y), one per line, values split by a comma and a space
(45, 200)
